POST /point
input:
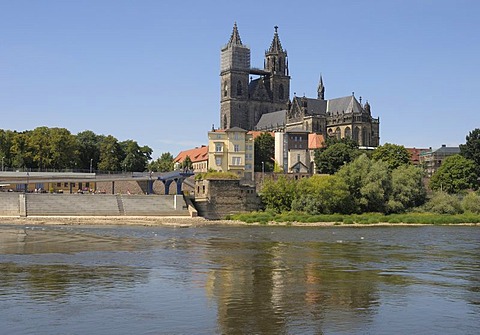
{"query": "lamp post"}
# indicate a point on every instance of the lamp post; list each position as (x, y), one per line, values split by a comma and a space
(91, 165)
(263, 171)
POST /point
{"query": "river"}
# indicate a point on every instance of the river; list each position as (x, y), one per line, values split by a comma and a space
(239, 280)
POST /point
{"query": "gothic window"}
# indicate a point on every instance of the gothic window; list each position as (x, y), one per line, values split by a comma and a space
(225, 122)
(338, 134)
(225, 89)
(348, 132)
(281, 92)
(356, 132)
(239, 88)
(280, 64)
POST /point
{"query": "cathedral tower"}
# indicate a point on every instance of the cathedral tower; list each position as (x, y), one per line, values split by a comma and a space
(276, 63)
(234, 71)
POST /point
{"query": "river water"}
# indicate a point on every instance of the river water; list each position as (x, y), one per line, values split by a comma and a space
(239, 280)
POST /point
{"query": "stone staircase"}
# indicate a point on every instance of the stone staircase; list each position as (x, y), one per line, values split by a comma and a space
(11, 204)
(71, 205)
(145, 205)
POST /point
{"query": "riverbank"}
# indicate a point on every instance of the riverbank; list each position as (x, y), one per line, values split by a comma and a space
(185, 222)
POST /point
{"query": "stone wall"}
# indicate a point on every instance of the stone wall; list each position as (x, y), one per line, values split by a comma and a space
(217, 198)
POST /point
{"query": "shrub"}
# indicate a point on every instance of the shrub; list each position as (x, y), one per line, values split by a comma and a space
(471, 203)
(443, 203)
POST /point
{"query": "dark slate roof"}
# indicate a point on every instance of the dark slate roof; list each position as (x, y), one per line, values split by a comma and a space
(314, 106)
(272, 120)
(343, 105)
(447, 150)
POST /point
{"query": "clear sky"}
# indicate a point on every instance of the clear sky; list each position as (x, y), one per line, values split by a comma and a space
(149, 70)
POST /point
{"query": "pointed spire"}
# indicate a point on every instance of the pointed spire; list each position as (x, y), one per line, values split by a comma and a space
(321, 89)
(235, 37)
(276, 46)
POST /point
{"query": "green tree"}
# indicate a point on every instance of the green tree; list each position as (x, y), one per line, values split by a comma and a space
(277, 195)
(110, 154)
(332, 158)
(134, 157)
(394, 155)
(471, 203)
(408, 189)
(187, 163)
(63, 148)
(322, 194)
(88, 149)
(264, 151)
(456, 174)
(443, 203)
(19, 151)
(369, 183)
(39, 151)
(162, 164)
(471, 149)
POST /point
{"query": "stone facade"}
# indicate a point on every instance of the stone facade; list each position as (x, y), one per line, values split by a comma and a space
(244, 99)
(217, 198)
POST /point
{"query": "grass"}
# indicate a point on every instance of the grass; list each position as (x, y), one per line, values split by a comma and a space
(366, 218)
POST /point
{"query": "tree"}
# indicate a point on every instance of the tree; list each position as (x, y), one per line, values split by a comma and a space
(456, 174)
(135, 158)
(471, 149)
(264, 147)
(336, 155)
(88, 149)
(163, 164)
(322, 194)
(110, 154)
(278, 195)
(369, 183)
(408, 189)
(394, 155)
(187, 163)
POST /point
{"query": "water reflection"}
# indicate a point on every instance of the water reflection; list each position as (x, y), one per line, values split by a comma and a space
(57, 282)
(244, 280)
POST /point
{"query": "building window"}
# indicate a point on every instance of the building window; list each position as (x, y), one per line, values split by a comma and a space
(236, 148)
(239, 88)
(298, 158)
(235, 136)
(218, 161)
(236, 160)
(281, 92)
(218, 147)
(225, 89)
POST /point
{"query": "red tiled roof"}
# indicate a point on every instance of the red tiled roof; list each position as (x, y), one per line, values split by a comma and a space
(315, 141)
(415, 153)
(196, 155)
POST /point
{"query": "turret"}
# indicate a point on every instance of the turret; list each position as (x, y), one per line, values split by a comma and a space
(321, 89)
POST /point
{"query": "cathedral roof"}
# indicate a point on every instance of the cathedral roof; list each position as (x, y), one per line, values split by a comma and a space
(314, 106)
(344, 105)
(235, 37)
(276, 46)
(272, 120)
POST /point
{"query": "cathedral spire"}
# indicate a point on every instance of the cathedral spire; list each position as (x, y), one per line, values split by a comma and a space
(276, 46)
(235, 37)
(321, 89)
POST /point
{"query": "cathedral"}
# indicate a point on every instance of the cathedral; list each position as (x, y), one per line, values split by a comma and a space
(263, 103)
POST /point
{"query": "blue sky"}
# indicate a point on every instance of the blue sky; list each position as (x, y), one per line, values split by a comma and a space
(149, 70)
